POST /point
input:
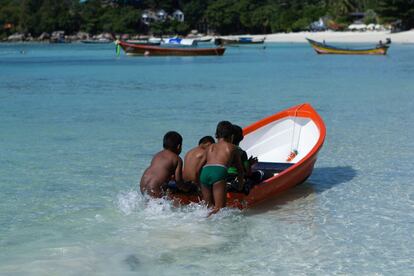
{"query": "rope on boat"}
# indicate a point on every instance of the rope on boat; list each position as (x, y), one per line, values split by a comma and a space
(294, 150)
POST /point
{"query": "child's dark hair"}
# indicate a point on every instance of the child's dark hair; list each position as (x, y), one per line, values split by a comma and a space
(206, 139)
(172, 140)
(238, 134)
(224, 130)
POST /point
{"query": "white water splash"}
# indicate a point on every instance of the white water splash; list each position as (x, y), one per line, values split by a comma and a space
(159, 208)
(129, 201)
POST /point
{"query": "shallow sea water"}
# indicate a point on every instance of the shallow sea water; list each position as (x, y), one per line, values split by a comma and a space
(79, 125)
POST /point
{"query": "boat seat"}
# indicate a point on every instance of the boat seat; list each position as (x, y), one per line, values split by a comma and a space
(271, 166)
(268, 170)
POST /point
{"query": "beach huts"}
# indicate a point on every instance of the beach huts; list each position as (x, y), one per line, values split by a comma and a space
(150, 16)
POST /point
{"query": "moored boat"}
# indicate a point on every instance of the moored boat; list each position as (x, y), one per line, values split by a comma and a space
(250, 40)
(286, 145)
(96, 41)
(203, 39)
(322, 48)
(142, 42)
(238, 40)
(149, 50)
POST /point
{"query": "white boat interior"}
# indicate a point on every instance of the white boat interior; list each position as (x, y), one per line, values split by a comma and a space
(179, 42)
(275, 141)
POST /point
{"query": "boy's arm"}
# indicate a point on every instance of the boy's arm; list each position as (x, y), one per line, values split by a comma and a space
(246, 163)
(179, 176)
(239, 166)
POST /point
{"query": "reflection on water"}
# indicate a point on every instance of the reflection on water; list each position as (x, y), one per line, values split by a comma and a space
(299, 192)
(326, 177)
(321, 179)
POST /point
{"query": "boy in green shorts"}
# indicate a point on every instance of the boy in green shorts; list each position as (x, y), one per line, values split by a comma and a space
(214, 173)
(194, 161)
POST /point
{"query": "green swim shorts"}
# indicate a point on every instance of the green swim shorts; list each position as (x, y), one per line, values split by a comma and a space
(211, 174)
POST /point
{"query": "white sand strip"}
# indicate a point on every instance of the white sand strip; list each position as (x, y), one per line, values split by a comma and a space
(350, 37)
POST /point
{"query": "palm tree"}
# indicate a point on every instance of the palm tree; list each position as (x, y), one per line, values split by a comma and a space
(343, 7)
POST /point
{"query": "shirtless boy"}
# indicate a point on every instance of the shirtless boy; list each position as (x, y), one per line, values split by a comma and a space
(246, 162)
(194, 160)
(165, 166)
(214, 173)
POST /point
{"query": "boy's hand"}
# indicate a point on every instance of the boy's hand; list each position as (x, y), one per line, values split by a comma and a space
(253, 160)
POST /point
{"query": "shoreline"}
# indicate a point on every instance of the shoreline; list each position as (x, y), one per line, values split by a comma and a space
(406, 37)
(349, 37)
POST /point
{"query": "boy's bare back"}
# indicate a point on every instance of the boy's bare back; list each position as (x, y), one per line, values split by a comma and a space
(193, 162)
(164, 165)
(220, 153)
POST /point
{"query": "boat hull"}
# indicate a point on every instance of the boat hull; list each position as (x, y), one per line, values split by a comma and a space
(293, 175)
(323, 49)
(146, 50)
(229, 41)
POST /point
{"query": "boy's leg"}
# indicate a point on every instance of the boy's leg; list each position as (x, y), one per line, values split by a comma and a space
(219, 195)
(207, 195)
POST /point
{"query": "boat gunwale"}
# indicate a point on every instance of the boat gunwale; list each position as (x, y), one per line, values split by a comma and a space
(304, 110)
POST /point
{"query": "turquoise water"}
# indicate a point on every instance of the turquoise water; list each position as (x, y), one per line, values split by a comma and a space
(79, 126)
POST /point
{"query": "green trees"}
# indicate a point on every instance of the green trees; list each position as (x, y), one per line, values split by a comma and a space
(121, 20)
(9, 12)
(343, 7)
(194, 11)
(90, 14)
(220, 16)
(57, 15)
(393, 10)
(247, 16)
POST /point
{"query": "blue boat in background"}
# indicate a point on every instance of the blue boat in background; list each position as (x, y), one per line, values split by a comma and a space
(238, 40)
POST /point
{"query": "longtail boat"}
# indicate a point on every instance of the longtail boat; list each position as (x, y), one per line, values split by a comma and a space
(239, 40)
(150, 50)
(286, 145)
(322, 48)
(96, 41)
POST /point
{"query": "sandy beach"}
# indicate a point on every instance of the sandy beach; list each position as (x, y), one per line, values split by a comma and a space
(349, 37)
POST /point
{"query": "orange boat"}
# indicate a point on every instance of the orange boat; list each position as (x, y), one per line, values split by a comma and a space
(149, 50)
(286, 145)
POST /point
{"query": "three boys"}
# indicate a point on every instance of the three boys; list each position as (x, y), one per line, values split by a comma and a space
(213, 159)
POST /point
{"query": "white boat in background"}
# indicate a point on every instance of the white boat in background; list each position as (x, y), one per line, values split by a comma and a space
(143, 42)
(154, 40)
(179, 42)
(202, 38)
(96, 41)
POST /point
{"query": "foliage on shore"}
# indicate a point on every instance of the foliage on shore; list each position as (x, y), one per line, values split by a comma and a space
(220, 16)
